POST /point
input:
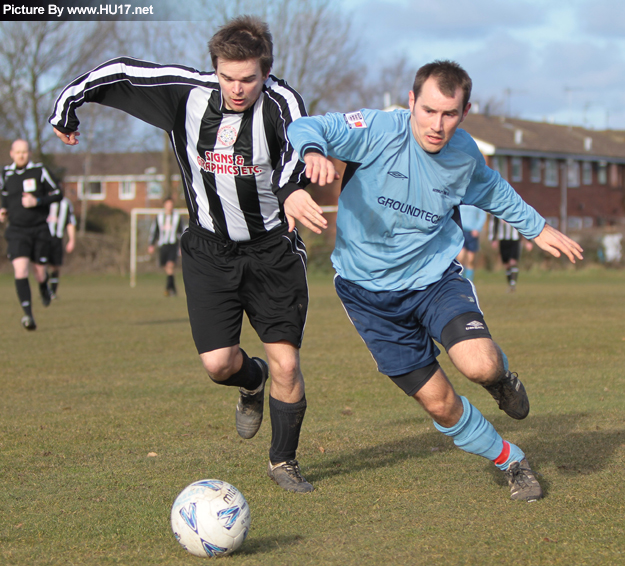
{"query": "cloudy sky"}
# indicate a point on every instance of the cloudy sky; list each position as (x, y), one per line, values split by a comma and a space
(556, 60)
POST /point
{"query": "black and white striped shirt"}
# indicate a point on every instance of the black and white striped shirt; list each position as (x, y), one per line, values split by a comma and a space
(499, 230)
(61, 214)
(237, 167)
(166, 228)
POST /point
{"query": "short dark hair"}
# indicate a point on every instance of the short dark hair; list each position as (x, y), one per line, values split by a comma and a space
(449, 76)
(241, 39)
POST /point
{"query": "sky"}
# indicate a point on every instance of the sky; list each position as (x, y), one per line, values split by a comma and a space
(561, 61)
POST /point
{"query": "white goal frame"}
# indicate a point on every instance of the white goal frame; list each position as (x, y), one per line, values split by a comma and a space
(135, 212)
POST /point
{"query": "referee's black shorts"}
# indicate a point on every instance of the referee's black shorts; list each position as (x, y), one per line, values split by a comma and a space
(32, 242)
(265, 278)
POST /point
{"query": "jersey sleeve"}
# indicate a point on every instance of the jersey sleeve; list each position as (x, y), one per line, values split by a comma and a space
(285, 106)
(51, 191)
(154, 232)
(142, 89)
(355, 136)
(489, 191)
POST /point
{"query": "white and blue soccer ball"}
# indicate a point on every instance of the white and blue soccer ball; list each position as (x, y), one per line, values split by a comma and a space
(210, 518)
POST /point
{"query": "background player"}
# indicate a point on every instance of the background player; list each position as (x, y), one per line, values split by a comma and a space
(473, 220)
(228, 130)
(165, 232)
(60, 220)
(396, 271)
(508, 239)
(27, 191)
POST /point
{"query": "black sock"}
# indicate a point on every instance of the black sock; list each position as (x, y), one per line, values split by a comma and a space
(286, 423)
(249, 376)
(171, 284)
(22, 287)
(54, 280)
(43, 287)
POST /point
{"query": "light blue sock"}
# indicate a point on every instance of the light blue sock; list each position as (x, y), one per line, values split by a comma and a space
(505, 360)
(474, 434)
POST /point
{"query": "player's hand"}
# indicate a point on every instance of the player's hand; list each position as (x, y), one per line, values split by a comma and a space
(29, 200)
(150, 250)
(556, 243)
(69, 248)
(299, 205)
(3, 214)
(319, 169)
(67, 139)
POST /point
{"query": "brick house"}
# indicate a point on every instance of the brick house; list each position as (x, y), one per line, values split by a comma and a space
(574, 177)
(119, 180)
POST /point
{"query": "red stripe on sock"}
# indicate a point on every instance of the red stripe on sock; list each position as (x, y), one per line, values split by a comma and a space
(505, 452)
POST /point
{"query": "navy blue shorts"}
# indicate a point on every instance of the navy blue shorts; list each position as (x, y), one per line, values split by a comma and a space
(471, 243)
(399, 327)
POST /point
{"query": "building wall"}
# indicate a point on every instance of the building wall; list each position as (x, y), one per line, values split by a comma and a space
(588, 205)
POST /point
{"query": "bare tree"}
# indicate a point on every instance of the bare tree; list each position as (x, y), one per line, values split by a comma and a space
(36, 60)
(314, 49)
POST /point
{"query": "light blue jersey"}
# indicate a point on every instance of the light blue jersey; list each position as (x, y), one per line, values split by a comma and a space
(473, 218)
(398, 222)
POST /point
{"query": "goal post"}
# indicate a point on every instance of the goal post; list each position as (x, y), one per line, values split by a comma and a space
(135, 213)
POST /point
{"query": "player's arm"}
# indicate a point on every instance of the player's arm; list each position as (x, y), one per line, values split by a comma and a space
(142, 89)
(153, 237)
(71, 238)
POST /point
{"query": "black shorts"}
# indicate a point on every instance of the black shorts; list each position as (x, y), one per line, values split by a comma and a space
(168, 252)
(32, 242)
(509, 249)
(265, 278)
(56, 251)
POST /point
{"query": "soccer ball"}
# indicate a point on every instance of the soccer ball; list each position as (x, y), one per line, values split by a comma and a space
(210, 518)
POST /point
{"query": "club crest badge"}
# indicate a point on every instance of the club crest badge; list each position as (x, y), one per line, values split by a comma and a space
(227, 135)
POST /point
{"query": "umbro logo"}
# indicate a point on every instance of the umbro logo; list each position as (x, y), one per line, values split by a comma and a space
(475, 325)
(397, 175)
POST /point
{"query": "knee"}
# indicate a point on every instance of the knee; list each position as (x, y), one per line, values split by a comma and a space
(483, 370)
(286, 370)
(219, 365)
(446, 411)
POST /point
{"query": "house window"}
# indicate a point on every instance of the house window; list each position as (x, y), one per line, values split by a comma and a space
(127, 190)
(551, 173)
(602, 173)
(517, 169)
(95, 190)
(587, 173)
(500, 164)
(572, 173)
(155, 190)
(535, 167)
(553, 221)
(575, 222)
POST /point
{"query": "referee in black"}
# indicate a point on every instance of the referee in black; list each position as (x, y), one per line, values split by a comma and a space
(165, 233)
(27, 191)
(244, 186)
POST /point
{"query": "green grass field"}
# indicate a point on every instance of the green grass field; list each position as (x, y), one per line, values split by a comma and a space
(111, 375)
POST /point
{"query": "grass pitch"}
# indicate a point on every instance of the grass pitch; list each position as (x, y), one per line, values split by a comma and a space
(106, 415)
